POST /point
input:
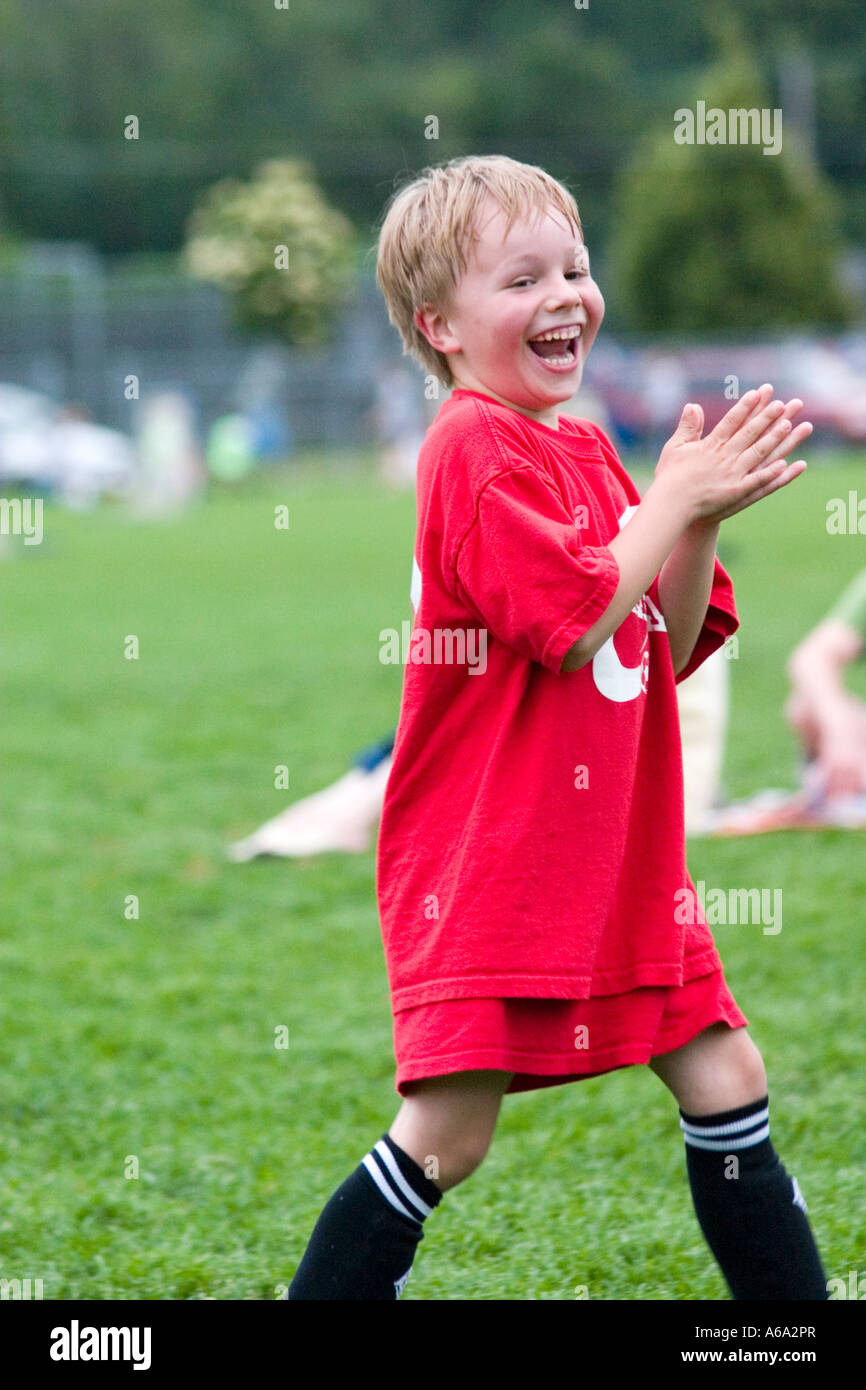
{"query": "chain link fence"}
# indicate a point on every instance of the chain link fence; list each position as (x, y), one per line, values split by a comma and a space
(83, 332)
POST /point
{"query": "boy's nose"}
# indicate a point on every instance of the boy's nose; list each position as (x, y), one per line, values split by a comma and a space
(566, 293)
(569, 299)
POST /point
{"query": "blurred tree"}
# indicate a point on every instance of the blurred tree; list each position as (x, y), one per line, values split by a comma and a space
(219, 85)
(717, 237)
(284, 255)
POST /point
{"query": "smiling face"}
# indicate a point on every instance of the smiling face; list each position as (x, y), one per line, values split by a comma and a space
(516, 288)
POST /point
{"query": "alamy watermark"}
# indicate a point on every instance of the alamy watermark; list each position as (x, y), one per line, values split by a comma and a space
(730, 907)
(854, 1287)
(77, 1343)
(439, 646)
(22, 517)
(738, 126)
(846, 518)
(21, 1289)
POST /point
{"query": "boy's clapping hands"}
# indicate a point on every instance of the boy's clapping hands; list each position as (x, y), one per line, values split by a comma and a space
(738, 463)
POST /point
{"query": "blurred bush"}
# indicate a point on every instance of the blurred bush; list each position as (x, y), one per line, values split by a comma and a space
(285, 255)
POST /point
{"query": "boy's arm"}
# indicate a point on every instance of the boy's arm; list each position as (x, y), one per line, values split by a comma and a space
(747, 448)
(640, 549)
(686, 578)
(646, 543)
(685, 585)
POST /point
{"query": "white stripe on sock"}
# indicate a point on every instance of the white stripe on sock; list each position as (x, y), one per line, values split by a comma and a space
(724, 1145)
(376, 1174)
(710, 1131)
(393, 1168)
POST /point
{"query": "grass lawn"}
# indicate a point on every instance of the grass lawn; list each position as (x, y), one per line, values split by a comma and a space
(155, 1143)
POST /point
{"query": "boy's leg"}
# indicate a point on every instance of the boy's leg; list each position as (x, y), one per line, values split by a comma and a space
(364, 1242)
(751, 1212)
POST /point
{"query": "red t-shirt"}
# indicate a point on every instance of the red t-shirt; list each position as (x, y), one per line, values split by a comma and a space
(532, 838)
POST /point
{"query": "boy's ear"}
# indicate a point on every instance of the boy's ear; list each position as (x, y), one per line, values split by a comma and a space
(436, 329)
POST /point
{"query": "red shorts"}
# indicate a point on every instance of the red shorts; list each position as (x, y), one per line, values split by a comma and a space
(546, 1042)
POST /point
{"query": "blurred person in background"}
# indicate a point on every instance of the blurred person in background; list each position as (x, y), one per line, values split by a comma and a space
(170, 467)
(400, 420)
(342, 817)
(830, 723)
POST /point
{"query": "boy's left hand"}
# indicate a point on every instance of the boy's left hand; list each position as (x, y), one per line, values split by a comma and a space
(786, 473)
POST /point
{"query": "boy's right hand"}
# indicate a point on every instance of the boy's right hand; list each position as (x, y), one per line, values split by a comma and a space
(739, 462)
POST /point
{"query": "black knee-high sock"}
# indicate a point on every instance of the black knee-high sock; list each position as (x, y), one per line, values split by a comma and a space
(751, 1212)
(364, 1242)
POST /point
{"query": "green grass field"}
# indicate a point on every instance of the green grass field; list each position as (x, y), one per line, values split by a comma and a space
(148, 1044)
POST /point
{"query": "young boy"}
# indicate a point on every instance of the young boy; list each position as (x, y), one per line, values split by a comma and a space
(531, 851)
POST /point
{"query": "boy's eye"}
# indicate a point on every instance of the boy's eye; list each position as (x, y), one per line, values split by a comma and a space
(575, 273)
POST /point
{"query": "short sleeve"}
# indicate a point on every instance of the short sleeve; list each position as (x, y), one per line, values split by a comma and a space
(522, 568)
(720, 622)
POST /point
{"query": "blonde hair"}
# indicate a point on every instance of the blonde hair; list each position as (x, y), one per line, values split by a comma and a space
(427, 229)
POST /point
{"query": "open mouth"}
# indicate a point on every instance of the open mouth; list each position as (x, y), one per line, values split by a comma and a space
(558, 346)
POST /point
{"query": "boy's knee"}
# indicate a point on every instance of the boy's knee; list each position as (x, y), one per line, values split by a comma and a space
(448, 1158)
(720, 1069)
(738, 1054)
(448, 1128)
(458, 1161)
(753, 1069)
(738, 1073)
